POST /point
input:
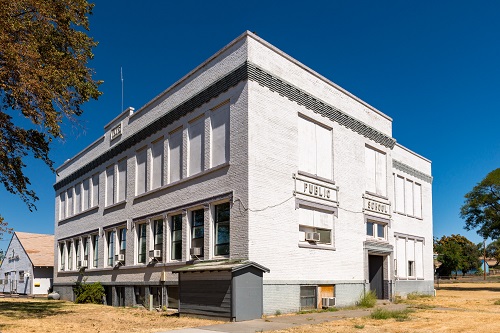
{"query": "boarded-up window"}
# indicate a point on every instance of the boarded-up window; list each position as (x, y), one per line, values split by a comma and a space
(157, 164)
(401, 257)
(409, 197)
(417, 197)
(140, 175)
(175, 156)
(86, 194)
(220, 136)
(315, 148)
(195, 147)
(69, 197)
(122, 181)
(62, 206)
(95, 190)
(307, 297)
(410, 255)
(399, 194)
(110, 182)
(376, 171)
(419, 259)
(78, 198)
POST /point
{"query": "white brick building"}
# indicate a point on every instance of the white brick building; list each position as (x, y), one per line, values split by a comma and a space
(252, 156)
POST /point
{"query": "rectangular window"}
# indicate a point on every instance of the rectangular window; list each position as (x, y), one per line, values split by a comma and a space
(95, 248)
(315, 148)
(158, 236)
(176, 237)
(409, 197)
(122, 235)
(195, 147)
(140, 176)
(307, 297)
(175, 156)
(197, 229)
(70, 256)
(121, 192)
(86, 194)
(219, 149)
(399, 194)
(21, 276)
(86, 246)
(140, 295)
(376, 230)
(62, 256)
(95, 190)
(111, 247)
(69, 197)
(141, 242)
(110, 185)
(417, 197)
(315, 226)
(222, 230)
(411, 268)
(62, 206)
(369, 229)
(78, 254)
(78, 198)
(376, 171)
(157, 164)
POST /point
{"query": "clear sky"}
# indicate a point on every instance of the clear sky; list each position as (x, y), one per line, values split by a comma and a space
(433, 66)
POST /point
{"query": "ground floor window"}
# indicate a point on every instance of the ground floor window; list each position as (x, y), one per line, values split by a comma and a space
(308, 298)
(411, 268)
(222, 229)
(120, 296)
(156, 293)
(173, 297)
(315, 226)
(376, 230)
(140, 295)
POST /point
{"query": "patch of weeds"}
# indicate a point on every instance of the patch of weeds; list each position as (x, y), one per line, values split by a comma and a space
(497, 302)
(331, 309)
(277, 313)
(368, 300)
(399, 315)
(415, 296)
(359, 326)
(422, 306)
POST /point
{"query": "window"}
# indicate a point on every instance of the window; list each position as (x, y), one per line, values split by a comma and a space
(157, 164)
(21, 276)
(122, 239)
(315, 148)
(86, 194)
(219, 148)
(417, 199)
(111, 247)
(222, 229)
(140, 176)
(409, 252)
(110, 185)
(62, 206)
(307, 297)
(176, 237)
(411, 268)
(70, 255)
(158, 236)
(175, 156)
(376, 171)
(140, 295)
(86, 246)
(95, 248)
(409, 197)
(197, 229)
(62, 256)
(69, 196)
(78, 254)
(314, 221)
(195, 147)
(78, 198)
(141, 237)
(376, 230)
(399, 194)
(95, 190)
(121, 183)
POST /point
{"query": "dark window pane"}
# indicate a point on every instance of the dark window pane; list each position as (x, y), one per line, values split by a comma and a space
(369, 228)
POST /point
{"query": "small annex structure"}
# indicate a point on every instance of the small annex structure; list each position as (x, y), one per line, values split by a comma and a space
(28, 266)
(250, 157)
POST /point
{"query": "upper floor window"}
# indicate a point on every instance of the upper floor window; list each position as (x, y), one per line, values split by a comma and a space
(222, 218)
(95, 190)
(70, 256)
(95, 251)
(140, 174)
(86, 197)
(197, 231)
(122, 239)
(176, 237)
(158, 236)
(219, 149)
(157, 164)
(121, 182)
(141, 243)
(175, 156)
(62, 256)
(69, 199)
(376, 171)
(195, 146)
(315, 226)
(62, 206)
(315, 149)
(78, 198)
(78, 254)
(111, 247)
(407, 196)
(86, 247)
(110, 185)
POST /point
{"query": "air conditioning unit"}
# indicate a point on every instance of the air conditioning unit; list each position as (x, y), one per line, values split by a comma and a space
(328, 302)
(82, 264)
(155, 254)
(196, 251)
(120, 257)
(312, 236)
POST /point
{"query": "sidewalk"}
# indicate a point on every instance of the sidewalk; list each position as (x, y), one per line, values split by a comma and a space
(287, 321)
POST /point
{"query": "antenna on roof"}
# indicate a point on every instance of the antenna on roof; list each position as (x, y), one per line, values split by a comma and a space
(121, 75)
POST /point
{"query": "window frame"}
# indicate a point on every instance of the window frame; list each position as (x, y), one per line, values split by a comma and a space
(195, 225)
(218, 224)
(141, 233)
(174, 228)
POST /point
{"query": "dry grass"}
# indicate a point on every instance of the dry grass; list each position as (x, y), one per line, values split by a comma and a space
(40, 315)
(460, 307)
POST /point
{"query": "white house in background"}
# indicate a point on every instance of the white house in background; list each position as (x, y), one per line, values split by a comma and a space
(28, 266)
(254, 164)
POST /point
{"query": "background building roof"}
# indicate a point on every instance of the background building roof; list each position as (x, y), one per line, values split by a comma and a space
(38, 247)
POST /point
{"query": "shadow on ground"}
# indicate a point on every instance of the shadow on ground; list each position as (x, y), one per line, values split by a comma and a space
(21, 310)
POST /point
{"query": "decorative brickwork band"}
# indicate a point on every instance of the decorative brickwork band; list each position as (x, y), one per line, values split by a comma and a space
(411, 171)
(246, 71)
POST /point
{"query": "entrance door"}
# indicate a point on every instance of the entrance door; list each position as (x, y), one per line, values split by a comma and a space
(376, 275)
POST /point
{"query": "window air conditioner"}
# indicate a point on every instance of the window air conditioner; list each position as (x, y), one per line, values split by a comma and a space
(312, 236)
(196, 251)
(120, 257)
(82, 264)
(155, 253)
(328, 302)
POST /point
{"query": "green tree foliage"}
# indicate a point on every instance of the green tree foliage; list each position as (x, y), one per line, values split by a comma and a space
(493, 251)
(44, 51)
(456, 253)
(481, 209)
(89, 292)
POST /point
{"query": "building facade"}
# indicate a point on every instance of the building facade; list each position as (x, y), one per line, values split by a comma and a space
(28, 266)
(252, 156)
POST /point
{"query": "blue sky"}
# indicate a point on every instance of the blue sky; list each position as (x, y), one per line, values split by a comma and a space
(434, 67)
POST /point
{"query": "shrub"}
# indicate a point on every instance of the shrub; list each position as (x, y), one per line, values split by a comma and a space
(368, 300)
(414, 296)
(497, 302)
(89, 293)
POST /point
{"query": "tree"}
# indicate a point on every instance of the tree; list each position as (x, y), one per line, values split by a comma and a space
(481, 209)
(456, 253)
(44, 78)
(493, 251)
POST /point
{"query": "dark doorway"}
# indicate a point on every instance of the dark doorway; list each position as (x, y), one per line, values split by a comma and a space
(376, 275)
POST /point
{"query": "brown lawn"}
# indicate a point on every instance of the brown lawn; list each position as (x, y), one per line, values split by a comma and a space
(458, 307)
(41, 315)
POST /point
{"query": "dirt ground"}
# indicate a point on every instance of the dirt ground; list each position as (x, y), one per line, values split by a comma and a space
(458, 307)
